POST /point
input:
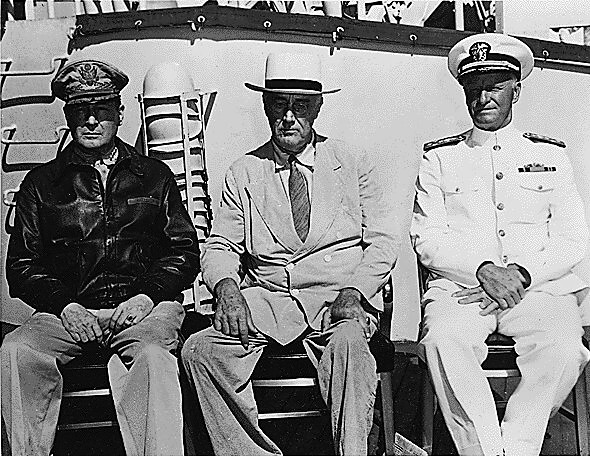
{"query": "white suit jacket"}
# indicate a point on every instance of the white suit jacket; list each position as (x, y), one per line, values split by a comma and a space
(287, 283)
(503, 198)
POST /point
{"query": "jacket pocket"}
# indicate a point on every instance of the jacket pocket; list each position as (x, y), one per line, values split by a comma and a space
(535, 197)
(457, 186)
(463, 197)
(538, 186)
(143, 200)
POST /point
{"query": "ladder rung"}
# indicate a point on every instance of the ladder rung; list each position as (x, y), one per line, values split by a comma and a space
(285, 415)
(88, 393)
(285, 382)
(97, 424)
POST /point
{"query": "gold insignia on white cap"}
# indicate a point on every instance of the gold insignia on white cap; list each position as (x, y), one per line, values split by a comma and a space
(486, 52)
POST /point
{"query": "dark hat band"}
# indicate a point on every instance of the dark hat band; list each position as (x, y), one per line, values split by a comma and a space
(492, 62)
(293, 84)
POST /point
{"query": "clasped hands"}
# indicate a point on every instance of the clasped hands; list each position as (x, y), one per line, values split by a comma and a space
(96, 325)
(233, 317)
(500, 289)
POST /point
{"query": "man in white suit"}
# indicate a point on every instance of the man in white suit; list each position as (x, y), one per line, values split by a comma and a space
(301, 246)
(499, 224)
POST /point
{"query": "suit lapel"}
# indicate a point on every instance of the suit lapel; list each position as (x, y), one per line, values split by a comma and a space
(327, 195)
(272, 203)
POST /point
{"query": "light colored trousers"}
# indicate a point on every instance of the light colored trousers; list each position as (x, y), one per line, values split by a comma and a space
(144, 381)
(220, 370)
(547, 331)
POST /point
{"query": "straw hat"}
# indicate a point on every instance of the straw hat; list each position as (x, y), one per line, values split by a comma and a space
(295, 74)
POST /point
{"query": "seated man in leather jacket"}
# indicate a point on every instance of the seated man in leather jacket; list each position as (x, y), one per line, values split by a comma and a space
(102, 248)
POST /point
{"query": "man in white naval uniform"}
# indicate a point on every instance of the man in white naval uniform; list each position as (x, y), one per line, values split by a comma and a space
(499, 225)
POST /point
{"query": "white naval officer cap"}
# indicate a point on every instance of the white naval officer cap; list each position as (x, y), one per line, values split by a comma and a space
(486, 52)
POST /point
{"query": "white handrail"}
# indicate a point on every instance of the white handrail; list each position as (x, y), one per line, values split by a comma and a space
(50, 70)
(12, 128)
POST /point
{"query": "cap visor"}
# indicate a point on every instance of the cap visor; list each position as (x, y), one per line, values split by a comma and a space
(91, 98)
(487, 70)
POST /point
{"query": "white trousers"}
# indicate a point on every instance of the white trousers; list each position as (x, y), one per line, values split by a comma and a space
(547, 331)
(143, 375)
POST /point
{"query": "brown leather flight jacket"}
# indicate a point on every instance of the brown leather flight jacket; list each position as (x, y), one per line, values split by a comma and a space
(76, 241)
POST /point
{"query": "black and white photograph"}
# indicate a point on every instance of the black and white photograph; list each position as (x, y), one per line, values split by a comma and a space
(345, 228)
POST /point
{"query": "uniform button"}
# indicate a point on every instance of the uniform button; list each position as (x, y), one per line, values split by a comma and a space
(290, 267)
(327, 258)
(499, 176)
(295, 292)
(500, 206)
(502, 233)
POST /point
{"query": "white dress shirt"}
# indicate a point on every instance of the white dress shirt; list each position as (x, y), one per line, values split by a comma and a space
(305, 158)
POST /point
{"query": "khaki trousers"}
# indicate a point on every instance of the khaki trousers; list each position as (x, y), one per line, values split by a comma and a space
(220, 370)
(547, 331)
(143, 375)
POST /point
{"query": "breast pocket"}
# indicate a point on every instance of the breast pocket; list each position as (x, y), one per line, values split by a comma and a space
(143, 200)
(535, 197)
(139, 214)
(462, 196)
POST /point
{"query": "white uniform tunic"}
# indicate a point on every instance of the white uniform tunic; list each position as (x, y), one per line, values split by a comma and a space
(478, 200)
(500, 197)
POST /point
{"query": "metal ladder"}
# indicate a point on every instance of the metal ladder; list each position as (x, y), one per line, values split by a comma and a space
(190, 170)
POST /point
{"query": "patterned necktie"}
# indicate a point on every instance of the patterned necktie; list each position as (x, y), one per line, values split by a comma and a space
(300, 205)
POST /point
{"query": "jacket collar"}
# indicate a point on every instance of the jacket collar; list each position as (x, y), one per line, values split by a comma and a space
(478, 137)
(127, 154)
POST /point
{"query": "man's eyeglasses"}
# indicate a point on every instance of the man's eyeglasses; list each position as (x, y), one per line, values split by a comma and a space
(279, 106)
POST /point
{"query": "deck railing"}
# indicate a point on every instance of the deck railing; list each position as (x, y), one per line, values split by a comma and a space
(480, 15)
